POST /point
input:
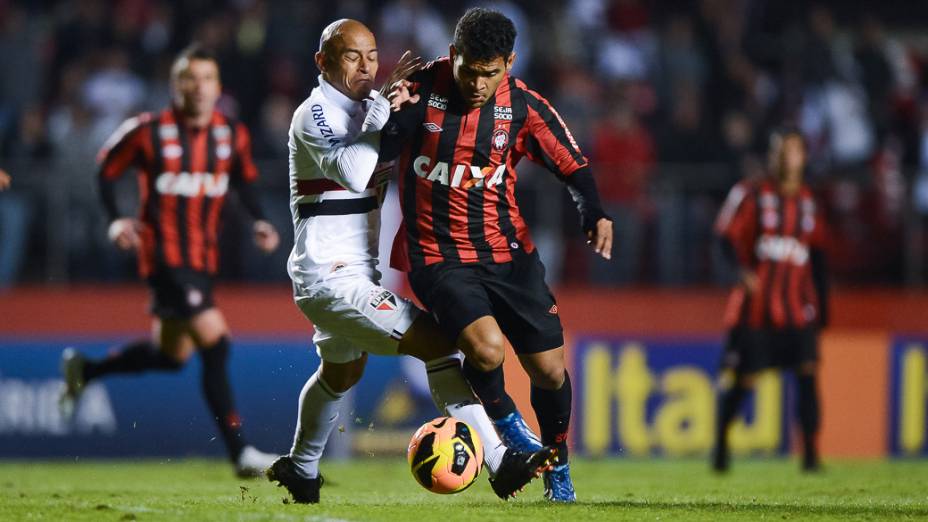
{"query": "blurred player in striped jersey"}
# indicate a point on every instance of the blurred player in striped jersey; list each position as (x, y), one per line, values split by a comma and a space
(464, 242)
(188, 156)
(773, 232)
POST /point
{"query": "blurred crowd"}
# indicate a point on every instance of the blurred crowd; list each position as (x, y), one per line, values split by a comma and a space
(671, 100)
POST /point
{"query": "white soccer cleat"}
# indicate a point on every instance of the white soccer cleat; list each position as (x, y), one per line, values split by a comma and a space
(72, 369)
(252, 462)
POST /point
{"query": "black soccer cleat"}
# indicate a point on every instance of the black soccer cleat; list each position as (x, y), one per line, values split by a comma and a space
(303, 490)
(519, 468)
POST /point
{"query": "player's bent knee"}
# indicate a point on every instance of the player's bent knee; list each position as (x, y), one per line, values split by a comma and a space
(549, 377)
(485, 350)
(343, 376)
(486, 359)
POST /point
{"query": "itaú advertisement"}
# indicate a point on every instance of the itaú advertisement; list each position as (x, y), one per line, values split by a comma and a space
(909, 397)
(639, 398)
(162, 414)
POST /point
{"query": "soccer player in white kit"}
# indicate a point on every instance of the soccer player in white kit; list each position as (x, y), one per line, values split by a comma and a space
(335, 201)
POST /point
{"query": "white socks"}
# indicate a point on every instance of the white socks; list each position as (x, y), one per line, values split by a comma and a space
(318, 413)
(453, 396)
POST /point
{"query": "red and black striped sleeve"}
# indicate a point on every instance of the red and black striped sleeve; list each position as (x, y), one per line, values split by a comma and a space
(736, 225)
(545, 139)
(244, 172)
(124, 149)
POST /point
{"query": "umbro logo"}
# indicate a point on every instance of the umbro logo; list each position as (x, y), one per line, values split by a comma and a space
(431, 127)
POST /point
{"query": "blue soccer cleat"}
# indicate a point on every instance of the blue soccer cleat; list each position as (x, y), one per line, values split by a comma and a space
(516, 434)
(558, 486)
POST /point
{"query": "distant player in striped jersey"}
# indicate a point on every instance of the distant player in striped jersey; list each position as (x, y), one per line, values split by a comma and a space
(469, 254)
(772, 231)
(335, 200)
(187, 157)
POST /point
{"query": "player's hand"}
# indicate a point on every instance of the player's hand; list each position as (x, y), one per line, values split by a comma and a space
(399, 96)
(124, 232)
(396, 87)
(748, 279)
(600, 238)
(266, 237)
(5, 180)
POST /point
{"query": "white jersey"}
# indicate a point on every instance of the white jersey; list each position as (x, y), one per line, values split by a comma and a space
(334, 198)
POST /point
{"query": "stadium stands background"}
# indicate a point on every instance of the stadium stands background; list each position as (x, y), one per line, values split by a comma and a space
(671, 100)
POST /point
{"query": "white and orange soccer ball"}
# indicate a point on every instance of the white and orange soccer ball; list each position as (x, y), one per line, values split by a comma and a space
(445, 455)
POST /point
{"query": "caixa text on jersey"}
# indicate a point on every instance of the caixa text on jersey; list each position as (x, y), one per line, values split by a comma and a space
(193, 184)
(463, 175)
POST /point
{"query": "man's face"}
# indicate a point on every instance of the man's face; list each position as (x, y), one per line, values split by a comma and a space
(791, 158)
(352, 66)
(197, 87)
(477, 80)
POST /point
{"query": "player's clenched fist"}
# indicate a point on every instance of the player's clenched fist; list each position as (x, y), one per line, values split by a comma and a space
(124, 232)
(266, 237)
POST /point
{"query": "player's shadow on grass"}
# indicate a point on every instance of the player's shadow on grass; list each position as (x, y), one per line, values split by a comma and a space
(768, 508)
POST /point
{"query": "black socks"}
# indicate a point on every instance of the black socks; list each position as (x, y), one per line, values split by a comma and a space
(135, 357)
(218, 395)
(490, 388)
(552, 408)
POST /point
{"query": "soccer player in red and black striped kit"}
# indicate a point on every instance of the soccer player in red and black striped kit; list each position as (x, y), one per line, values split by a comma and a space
(469, 254)
(187, 157)
(773, 231)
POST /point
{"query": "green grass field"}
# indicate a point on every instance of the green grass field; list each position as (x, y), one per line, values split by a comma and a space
(377, 489)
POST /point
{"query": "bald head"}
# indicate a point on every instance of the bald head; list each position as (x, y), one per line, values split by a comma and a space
(347, 57)
(335, 34)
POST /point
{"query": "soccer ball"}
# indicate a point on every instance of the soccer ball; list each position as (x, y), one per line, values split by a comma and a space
(445, 455)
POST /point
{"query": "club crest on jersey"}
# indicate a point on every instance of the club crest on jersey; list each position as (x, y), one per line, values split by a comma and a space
(770, 219)
(384, 301)
(438, 102)
(172, 151)
(431, 127)
(223, 151)
(500, 139)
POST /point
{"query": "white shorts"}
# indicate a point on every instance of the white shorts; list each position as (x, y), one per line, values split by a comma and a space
(353, 315)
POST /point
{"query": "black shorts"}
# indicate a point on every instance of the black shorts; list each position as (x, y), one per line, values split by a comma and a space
(514, 293)
(180, 293)
(751, 350)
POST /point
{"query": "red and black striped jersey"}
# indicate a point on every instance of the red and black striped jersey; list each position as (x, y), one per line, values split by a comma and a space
(457, 171)
(184, 173)
(775, 236)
